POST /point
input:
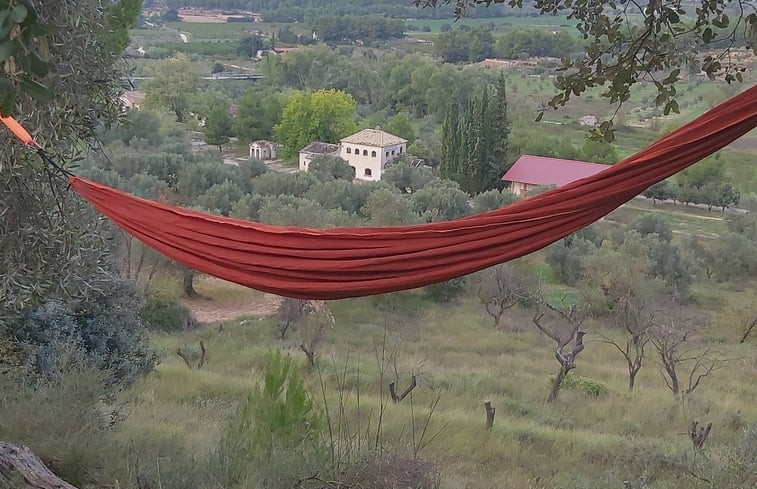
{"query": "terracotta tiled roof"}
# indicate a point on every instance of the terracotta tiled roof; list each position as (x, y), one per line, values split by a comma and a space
(374, 137)
(541, 170)
(133, 97)
(318, 147)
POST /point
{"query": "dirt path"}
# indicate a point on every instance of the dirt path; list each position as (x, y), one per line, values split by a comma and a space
(226, 301)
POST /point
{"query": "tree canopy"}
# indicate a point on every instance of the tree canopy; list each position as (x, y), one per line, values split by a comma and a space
(174, 80)
(629, 42)
(325, 115)
(52, 242)
(218, 127)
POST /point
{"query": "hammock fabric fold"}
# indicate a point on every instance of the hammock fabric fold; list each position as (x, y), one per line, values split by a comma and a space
(352, 262)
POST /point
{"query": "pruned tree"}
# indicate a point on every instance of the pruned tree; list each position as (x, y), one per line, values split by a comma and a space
(684, 359)
(564, 329)
(290, 312)
(319, 318)
(399, 397)
(189, 355)
(636, 317)
(746, 318)
(500, 288)
(698, 435)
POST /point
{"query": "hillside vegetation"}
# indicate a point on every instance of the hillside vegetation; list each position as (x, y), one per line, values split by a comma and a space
(622, 356)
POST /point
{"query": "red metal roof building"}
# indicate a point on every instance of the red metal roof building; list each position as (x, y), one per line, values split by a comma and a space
(540, 171)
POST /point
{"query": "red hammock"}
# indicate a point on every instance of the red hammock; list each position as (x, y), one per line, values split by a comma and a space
(353, 262)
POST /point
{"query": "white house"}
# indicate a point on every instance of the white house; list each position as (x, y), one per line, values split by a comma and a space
(369, 150)
(314, 149)
(263, 150)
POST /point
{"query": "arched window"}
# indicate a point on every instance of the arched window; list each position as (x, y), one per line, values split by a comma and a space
(368, 172)
(354, 169)
(373, 153)
(349, 151)
(400, 149)
(365, 152)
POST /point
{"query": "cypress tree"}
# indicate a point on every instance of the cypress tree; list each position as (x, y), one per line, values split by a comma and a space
(450, 164)
(474, 143)
(500, 133)
(468, 146)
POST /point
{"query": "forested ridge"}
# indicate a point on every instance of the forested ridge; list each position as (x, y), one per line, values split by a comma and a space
(299, 10)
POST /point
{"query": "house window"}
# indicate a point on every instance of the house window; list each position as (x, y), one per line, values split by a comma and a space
(387, 153)
(400, 149)
(392, 152)
(368, 172)
(373, 153)
(354, 170)
(349, 151)
(365, 152)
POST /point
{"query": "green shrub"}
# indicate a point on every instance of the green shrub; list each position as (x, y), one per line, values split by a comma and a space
(276, 436)
(165, 313)
(102, 330)
(446, 291)
(590, 387)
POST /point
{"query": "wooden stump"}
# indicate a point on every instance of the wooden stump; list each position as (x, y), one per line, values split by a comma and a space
(490, 410)
(399, 397)
(19, 464)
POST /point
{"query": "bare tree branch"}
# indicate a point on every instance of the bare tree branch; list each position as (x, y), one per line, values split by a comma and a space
(184, 357)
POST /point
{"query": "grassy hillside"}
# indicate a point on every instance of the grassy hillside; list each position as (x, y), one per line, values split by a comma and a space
(456, 353)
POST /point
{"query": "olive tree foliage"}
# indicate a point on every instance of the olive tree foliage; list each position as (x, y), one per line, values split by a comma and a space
(328, 168)
(493, 199)
(407, 178)
(50, 239)
(27, 38)
(440, 200)
(101, 329)
(628, 42)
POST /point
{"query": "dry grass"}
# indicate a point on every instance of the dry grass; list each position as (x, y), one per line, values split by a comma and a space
(454, 350)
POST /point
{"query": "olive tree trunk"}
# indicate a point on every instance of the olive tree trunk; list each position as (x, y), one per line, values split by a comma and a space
(20, 468)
